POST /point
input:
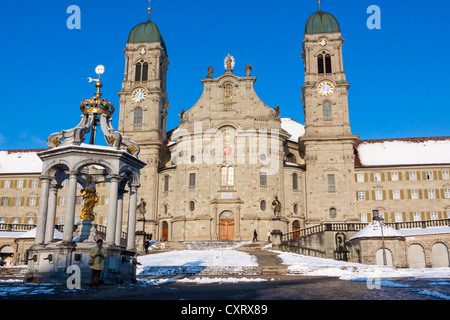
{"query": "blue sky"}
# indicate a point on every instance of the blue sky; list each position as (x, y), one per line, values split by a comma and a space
(398, 74)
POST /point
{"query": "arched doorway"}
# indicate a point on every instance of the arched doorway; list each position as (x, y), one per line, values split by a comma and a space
(226, 226)
(295, 227)
(165, 230)
(416, 256)
(439, 255)
(379, 257)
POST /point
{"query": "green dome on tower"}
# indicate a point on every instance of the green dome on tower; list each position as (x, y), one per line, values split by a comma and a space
(322, 22)
(146, 32)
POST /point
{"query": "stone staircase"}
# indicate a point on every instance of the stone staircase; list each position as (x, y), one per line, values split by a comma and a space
(268, 263)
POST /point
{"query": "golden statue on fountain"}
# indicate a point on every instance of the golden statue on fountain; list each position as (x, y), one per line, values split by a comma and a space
(90, 200)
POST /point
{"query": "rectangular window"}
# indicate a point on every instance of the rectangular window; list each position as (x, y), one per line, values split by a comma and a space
(396, 194)
(32, 202)
(412, 175)
(78, 200)
(4, 201)
(430, 175)
(417, 216)
(445, 175)
(414, 194)
(15, 220)
(61, 220)
(2, 220)
(363, 217)
(394, 176)
(106, 200)
(30, 220)
(34, 183)
(377, 176)
(381, 215)
(360, 177)
(62, 201)
(447, 193)
(166, 183)
(17, 201)
(331, 183)
(378, 194)
(191, 179)
(433, 215)
(263, 178)
(20, 184)
(65, 183)
(431, 194)
(398, 217)
(361, 195)
(7, 184)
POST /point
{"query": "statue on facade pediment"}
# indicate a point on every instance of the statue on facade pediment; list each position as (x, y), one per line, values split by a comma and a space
(248, 69)
(210, 72)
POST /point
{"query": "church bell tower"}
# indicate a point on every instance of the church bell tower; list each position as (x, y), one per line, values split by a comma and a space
(328, 142)
(143, 107)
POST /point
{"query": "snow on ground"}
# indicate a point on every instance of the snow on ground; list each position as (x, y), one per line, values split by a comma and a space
(216, 257)
(312, 266)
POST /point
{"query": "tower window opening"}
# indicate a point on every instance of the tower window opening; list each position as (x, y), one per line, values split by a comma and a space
(145, 71)
(138, 72)
(320, 64)
(327, 63)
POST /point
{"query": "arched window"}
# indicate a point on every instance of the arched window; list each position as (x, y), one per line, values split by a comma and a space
(262, 205)
(192, 205)
(320, 64)
(138, 72)
(141, 71)
(327, 110)
(227, 175)
(327, 63)
(137, 118)
(332, 213)
(145, 71)
(166, 183)
(324, 63)
(295, 181)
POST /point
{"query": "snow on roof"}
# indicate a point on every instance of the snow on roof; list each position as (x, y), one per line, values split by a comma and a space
(20, 161)
(403, 151)
(373, 230)
(32, 234)
(292, 127)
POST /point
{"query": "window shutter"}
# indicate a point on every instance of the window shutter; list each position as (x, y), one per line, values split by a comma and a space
(409, 194)
(384, 195)
(402, 194)
(367, 195)
(391, 194)
(436, 192)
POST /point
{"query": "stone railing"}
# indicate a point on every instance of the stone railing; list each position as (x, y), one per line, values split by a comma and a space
(311, 240)
(16, 227)
(60, 227)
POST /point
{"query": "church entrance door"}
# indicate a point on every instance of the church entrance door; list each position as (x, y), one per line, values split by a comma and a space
(226, 226)
(165, 230)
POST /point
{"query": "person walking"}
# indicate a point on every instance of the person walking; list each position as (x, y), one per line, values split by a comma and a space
(163, 243)
(268, 236)
(255, 236)
(97, 263)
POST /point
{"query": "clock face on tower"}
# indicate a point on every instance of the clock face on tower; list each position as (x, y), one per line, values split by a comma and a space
(139, 95)
(326, 88)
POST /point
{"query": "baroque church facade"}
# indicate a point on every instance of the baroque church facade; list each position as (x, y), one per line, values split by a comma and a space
(218, 175)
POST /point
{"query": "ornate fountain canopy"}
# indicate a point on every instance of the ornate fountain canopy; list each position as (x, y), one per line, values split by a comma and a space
(96, 104)
(94, 111)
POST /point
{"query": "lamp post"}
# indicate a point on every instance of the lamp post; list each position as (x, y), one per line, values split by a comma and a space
(376, 217)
